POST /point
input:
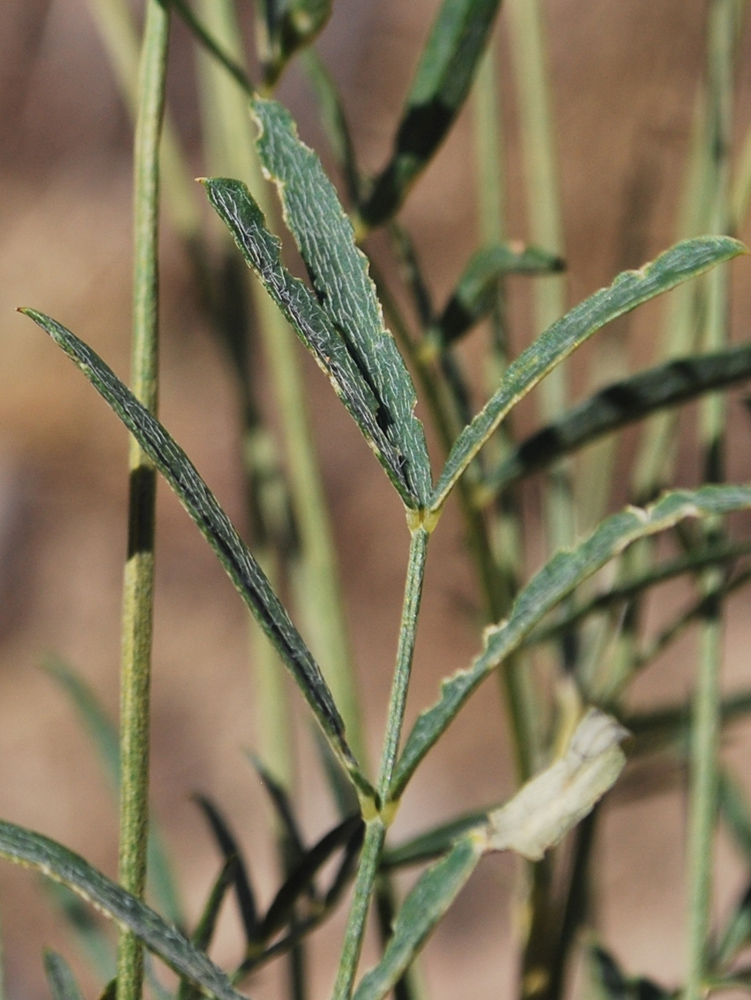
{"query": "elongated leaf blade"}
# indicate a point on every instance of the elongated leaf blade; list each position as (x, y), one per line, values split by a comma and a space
(61, 980)
(262, 251)
(631, 288)
(556, 580)
(475, 292)
(444, 75)
(339, 272)
(620, 404)
(32, 850)
(300, 879)
(218, 530)
(544, 810)
(227, 844)
(420, 912)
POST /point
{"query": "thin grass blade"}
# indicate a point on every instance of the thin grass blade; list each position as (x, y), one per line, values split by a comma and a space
(220, 533)
(631, 288)
(32, 850)
(620, 404)
(262, 251)
(228, 846)
(339, 273)
(736, 935)
(283, 808)
(444, 76)
(476, 293)
(556, 580)
(301, 878)
(62, 982)
(420, 912)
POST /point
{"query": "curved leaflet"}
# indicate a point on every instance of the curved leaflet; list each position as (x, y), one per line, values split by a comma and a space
(631, 288)
(219, 532)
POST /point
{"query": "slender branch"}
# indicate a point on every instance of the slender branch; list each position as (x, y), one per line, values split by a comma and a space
(721, 33)
(376, 829)
(139, 568)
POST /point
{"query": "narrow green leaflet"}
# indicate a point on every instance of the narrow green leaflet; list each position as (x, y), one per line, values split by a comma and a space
(220, 533)
(421, 911)
(61, 980)
(631, 288)
(339, 273)
(554, 801)
(444, 75)
(476, 290)
(32, 850)
(546, 589)
(619, 404)
(262, 251)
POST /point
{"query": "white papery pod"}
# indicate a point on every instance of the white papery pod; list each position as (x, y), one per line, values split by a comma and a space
(553, 802)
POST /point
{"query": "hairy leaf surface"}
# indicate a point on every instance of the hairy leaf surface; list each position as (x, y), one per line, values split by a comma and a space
(630, 289)
(345, 290)
(236, 207)
(420, 912)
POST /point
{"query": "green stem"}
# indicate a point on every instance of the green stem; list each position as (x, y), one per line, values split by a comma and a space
(407, 632)
(722, 27)
(367, 871)
(139, 568)
(376, 829)
(545, 225)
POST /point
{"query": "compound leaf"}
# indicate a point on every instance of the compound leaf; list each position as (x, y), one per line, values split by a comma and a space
(345, 290)
(262, 251)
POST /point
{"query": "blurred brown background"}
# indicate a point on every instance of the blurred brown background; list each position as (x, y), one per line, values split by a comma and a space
(624, 77)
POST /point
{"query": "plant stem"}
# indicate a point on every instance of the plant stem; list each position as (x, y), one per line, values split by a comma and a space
(376, 826)
(545, 224)
(408, 629)
(139, 568)
(722, 26)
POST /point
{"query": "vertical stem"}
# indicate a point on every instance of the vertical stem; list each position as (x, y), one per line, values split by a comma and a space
(376, 826)
(722, 26)
(504, 527)
(407, 632)
(139, 568)
(546, 228)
